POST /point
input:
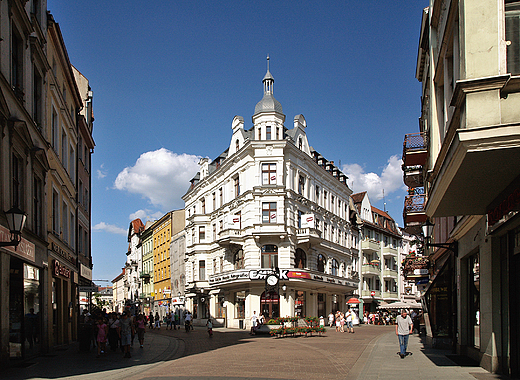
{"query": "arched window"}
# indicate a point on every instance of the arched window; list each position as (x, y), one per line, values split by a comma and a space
(237, 145)
(238, 259)
(335, 267)
(269, 256)
(300, 259)
(321, 263)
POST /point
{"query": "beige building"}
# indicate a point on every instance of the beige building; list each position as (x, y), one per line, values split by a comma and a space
(463, 167)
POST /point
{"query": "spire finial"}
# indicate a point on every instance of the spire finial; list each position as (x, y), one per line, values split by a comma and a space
(267, 62)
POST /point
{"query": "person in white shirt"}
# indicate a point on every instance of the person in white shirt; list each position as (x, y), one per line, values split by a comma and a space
(403, 329)
(350, 317)
(254, 319)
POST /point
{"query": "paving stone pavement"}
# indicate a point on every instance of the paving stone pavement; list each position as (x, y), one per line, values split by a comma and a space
(369, 353)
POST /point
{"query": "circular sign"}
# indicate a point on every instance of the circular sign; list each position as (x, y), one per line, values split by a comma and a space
(373, 293)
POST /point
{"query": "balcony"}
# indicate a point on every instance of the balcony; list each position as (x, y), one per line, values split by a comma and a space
(144, 275)
(390, 273)
(389, 251)
(305, 235)
(231, 236)
(370, 246)
(414, 213)
(370, 270)
(390, 296)
(368, 294)
(415, 149)
(413, 176)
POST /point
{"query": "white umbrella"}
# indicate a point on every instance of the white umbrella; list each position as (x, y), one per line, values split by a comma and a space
(401, 305)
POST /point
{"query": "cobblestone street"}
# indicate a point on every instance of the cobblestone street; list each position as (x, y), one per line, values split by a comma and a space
(369, 353)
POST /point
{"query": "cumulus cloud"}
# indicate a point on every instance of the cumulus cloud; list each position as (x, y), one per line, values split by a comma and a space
(160, 176)
(390, 180)
(145, 215)
(101, 172)
(110, 228)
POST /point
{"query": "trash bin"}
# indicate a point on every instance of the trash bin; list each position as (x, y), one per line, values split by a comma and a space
(241, 324)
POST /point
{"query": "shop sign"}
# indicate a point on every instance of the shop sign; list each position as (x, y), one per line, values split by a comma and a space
(507, 205)
(63, 253)
(85, 272)
(25, 248)
(373, 293)
(263, 273)
(60, 270)
(303, 275)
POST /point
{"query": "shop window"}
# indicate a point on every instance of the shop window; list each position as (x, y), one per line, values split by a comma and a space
(300, 259)
(270, 304)
(240, 304)
(322, 305)
(269, 256)
(299, 303)
(474, 300)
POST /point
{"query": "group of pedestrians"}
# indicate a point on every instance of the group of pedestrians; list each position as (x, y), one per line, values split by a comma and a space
(343, 321)
(170, 319)
(116, 329)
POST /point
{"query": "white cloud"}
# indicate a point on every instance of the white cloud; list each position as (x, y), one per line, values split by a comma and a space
(101, 172)
(145, 215)
(110, 228)
(390, 180)
(161, 176)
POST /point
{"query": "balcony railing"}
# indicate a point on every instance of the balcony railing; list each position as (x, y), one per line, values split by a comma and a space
(389, 273)
(413, 176)
(414, 214)
(370, 269)
(370, 245)
(415, 149)
(368, 293)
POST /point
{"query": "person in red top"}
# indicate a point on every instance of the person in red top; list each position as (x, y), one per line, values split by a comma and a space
(101, 338)
(140, 325)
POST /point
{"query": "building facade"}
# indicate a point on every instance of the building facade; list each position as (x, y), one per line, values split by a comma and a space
(270, 204)
(463, 168)
(40, 121)
(379, 255)
(134, 264)
(147, 292)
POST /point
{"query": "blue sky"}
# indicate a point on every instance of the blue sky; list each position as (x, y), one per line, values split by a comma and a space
(169, 76)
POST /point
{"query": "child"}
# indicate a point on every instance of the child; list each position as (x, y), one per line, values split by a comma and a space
(101, 338)
(209, 324)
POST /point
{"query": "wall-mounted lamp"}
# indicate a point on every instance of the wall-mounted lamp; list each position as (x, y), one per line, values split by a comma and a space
(284, 289)
(427, 233)
(16, 221)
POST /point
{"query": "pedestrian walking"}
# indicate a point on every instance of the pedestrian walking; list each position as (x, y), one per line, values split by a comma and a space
(157, 320)
(101, 336)
(254, 318)
(176, 321)
(151, 320)
(349, 318)
(403, 329)
(140, 327)
(113, 332)
(331, 319)
(125, 332)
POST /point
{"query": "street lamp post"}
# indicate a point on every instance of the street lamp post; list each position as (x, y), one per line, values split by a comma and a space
(16, 221)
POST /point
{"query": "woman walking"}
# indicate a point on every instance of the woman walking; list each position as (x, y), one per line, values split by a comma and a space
(140, 324)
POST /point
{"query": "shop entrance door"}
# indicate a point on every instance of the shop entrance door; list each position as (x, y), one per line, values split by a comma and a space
(270, 304)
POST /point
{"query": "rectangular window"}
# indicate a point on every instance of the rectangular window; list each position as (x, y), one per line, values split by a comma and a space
(269, 212)
(202, 233)
(236, 182)
(259, 134)
(268, 133)
(72, 163)
(17, 64)
(17, 181)
(37, 97)
(72, 230)
(65, 215)
(513, 36)
(269, 174)
(202, 270)
(317, 195)
(214, 201)
(301, 185)
(80, 192)
(80, 240)
(37, 206)
(240, 305)
(203, 205)
(278, 133)
(220, 197)
(54, 130)
(214, 231)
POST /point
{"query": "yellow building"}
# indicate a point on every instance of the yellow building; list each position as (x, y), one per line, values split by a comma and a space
(163, 229)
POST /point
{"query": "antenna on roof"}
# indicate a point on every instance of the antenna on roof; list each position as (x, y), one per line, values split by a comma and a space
(384, 201)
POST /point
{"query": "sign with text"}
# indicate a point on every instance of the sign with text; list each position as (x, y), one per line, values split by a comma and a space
(308, 221)
(60, 270)
(25, 248)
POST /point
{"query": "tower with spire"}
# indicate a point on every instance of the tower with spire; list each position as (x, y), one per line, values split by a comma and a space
(268, 118)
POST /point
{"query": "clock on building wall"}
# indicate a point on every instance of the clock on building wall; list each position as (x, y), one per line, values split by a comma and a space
(272, 280)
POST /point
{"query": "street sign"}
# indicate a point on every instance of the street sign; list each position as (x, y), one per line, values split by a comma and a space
(88, 289)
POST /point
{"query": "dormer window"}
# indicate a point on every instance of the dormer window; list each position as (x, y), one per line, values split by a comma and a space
(300, 143)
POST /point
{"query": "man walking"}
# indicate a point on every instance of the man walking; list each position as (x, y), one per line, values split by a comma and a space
(126, 329)
(403, 329)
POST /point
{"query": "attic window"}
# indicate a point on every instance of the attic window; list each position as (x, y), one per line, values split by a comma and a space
(237, 145)
(300, 143)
